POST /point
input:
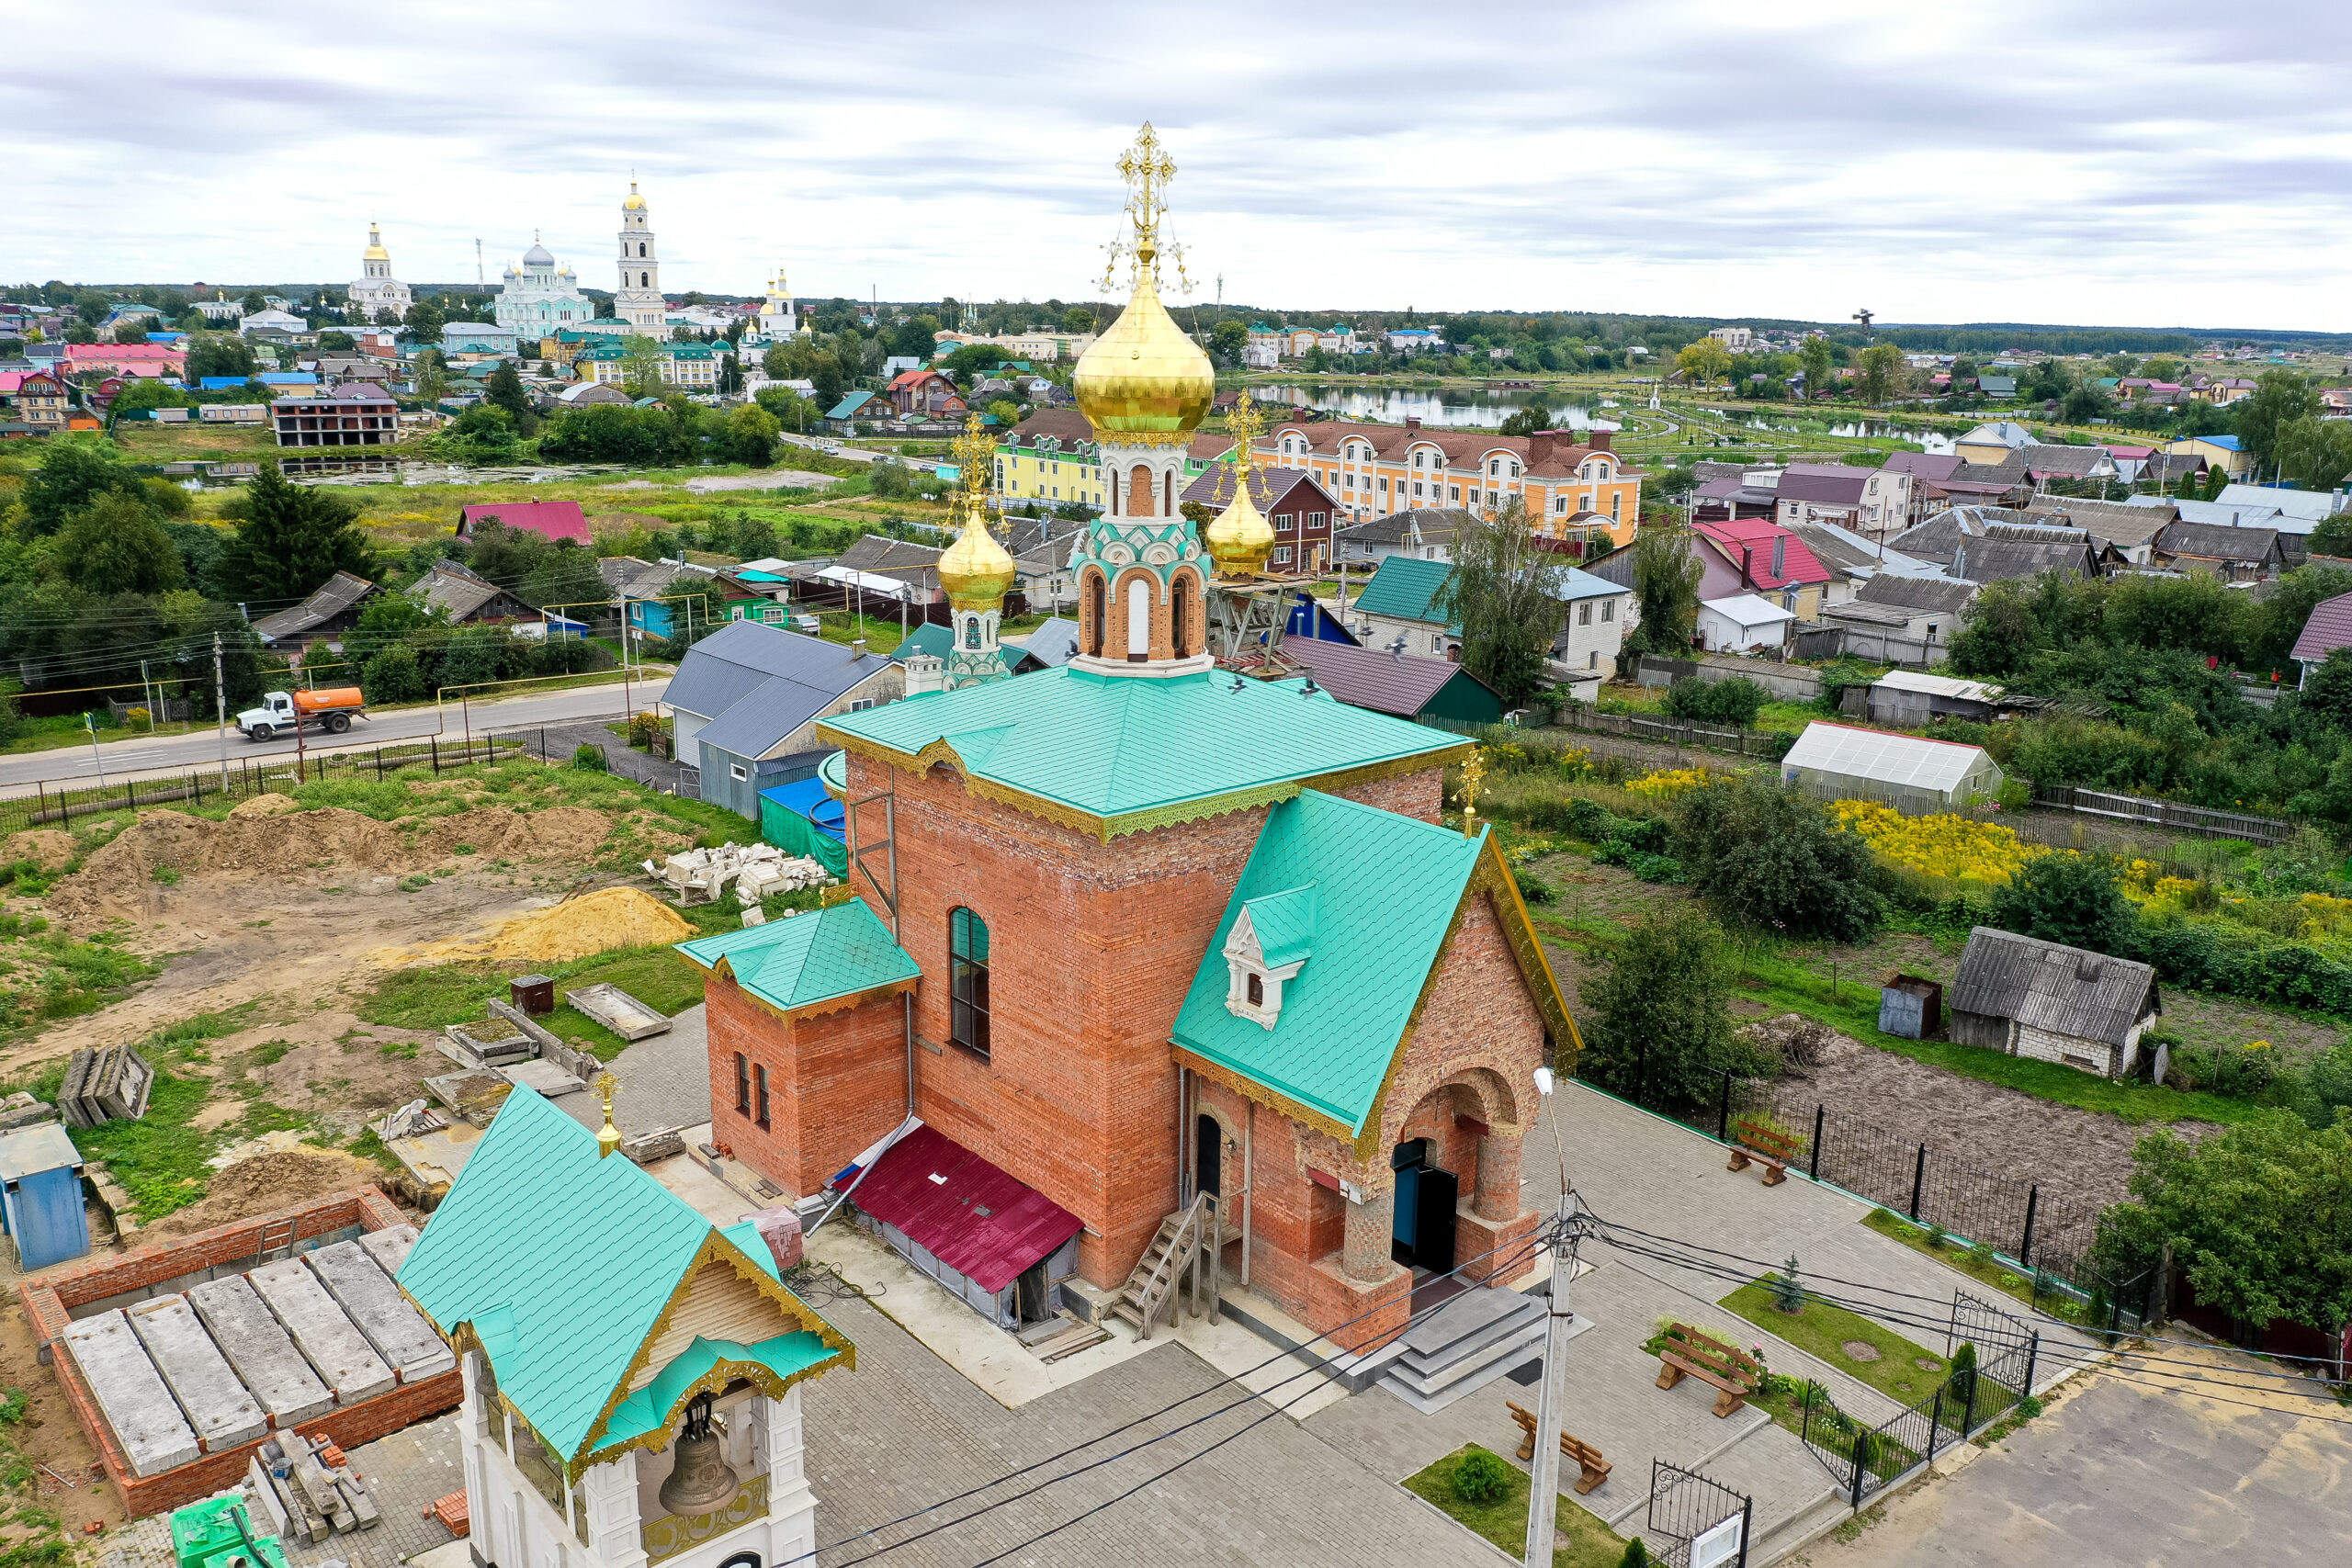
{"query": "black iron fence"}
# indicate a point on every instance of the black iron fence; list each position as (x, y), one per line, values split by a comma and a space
(55, 805)
(1695, 1521)
(2033, 1238)
(1864, 1458)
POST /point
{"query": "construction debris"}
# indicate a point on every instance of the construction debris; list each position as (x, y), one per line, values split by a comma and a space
(109, 1084)
(21, 1109)
(616, 1010)
(307, 1489)
(701, 875)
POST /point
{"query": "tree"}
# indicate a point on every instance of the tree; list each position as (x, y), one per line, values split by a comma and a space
(424, 318)
(1772, 859)
(830, 381)
(2069, 899)
(1659, 1026)
(1528, 419)
(2327, 691)
(504, 388)
(432, 375)
(1818, 359)
(2273, 624)
(74, 471)
(1504, 592)
(2279, 399)
(731, 376)
(750, 435)
(337, 343)
(1883, 372)
(2333, 536)
(1998, 633)
(1705, 360)
(2315, 453)
(131, 329)
(393, 676)
(2258, 1215)
(1079, 318)
(1226, 340)
(217, 355)
(1667, 571)
(115, 545)
(565, 575)
(291, 539)
(2084, 403)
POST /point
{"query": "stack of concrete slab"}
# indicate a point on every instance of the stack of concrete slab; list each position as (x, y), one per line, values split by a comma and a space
(234, 1359)
(110, 1084)
(306, 1491)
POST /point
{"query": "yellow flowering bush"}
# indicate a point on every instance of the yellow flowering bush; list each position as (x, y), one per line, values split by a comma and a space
(2324, 916)
(1940, 845)
(1669, 784)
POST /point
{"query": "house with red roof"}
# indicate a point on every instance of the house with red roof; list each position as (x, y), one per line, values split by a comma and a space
(924, 394)
(554, 521)
(154, 359)
(1757, 556)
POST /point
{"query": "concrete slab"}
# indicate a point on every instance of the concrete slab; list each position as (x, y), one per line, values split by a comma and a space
(367, 1296)
(138, 1409)
(545, 1077)
(390, 1248)
(325, 1335)
(256, 1348)
(435, 1158)
(216, 1405)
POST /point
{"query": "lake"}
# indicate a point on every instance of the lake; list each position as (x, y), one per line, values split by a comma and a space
(1462, 407)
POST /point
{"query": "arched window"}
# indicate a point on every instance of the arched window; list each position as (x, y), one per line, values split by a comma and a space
(644, 278)
(640, 247)
(1180, 619)
(1138, 620)
(971, 631)
(1256, 987)
(967, 981)
(1097, 612)
(1139, 492)
(1168, 493)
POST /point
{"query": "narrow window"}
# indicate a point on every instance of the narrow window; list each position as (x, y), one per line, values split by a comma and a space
(743, 1084)
(759, 1085)
(967, 981)
(1096, 610)
(1178, 628)
(972, 631)
(1256, 987)
(1139, 621)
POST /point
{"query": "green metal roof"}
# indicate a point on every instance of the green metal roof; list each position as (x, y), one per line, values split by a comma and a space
(1384, 889)
(563, 1262)
(1403, 587)
(1284, 923)
(804, 959)
(786, 1355)
(1123, 753)
(935, 640)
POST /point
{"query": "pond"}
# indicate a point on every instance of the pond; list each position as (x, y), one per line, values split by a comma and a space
(1469, 407)
(1852, 429)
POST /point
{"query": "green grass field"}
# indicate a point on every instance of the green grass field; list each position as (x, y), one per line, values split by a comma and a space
(1504, 1520)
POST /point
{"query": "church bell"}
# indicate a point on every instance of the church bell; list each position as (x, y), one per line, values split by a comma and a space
(700, 1478)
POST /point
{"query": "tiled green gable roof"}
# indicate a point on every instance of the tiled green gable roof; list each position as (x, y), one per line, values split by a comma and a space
(804, 959)
(786, 1355)
(926, 638)
(1120, 754)
(1385, 889)
(1402, 587)
(1285, 924)
(561, 1262)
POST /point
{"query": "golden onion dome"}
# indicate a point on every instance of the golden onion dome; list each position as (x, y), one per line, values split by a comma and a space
(633, 202)
(1240, 539)
(1143, 378)
(976, 570)
(375, 251)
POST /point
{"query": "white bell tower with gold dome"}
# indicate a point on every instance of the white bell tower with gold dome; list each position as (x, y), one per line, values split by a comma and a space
(639, 299)
(376, 291)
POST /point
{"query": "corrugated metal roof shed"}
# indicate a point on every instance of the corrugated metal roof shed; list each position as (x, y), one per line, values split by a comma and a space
(975, 1218)
(1940, 685)
(1898, 761)
(2047, 984)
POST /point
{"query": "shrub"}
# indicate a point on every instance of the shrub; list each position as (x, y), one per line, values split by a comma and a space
(1963, 1371)
(1735, 702)
(393, 676)
(1481, 1477)
(1636, 1555)
(1534, 890)
(1938, 1237)
(1770, 859)
(588, 758)
(2076, 899)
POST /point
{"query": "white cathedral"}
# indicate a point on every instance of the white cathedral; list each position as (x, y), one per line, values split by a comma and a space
(539, 299)
(377, 290)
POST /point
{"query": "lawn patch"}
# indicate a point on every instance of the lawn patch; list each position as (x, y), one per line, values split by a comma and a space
(434, 996)
(160, 1158)
(1861, 1349)
(1504, 1519)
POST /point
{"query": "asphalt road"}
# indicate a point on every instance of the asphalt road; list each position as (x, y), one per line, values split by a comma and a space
(125, 758)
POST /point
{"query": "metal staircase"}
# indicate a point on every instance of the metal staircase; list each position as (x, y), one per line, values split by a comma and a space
(1182, 1259)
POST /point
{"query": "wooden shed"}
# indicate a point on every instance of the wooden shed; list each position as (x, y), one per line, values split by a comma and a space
(2025, 997)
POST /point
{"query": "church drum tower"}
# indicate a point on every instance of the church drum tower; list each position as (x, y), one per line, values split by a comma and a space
(639, 299)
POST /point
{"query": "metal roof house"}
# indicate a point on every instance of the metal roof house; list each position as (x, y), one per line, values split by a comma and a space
(1391, 682)
(331, 609)
(746, 699)
(1914, 697)
(2024, 996)
(1843, 761)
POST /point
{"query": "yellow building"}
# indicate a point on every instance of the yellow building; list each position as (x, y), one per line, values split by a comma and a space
(2218, 451)
(1050, 456)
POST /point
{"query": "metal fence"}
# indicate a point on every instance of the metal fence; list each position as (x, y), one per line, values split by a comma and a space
(60, 803)
(1865, 1460)
(1695, 1521)
(2038, 1238)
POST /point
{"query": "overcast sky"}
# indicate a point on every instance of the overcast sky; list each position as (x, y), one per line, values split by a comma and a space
(2006, 160)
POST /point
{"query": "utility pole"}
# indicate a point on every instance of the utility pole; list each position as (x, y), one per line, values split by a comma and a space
(1544, 1493)
(221, 710)
(629, 704)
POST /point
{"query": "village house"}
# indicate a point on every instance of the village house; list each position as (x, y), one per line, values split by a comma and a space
(464, 596)
(331, 609)
(1423, 534)
(1050, 456)
(553, 521)
(1876, 502)
(2020, 552)
(2024, 996)
(1393, 682)
(36, 399)
(1742, 623)
(924, 394)
(756, 692)
(1755, 556)
(2233, 554)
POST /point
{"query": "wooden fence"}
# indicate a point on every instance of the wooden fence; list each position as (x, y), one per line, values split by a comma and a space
(2165, 814)
(1678, 732)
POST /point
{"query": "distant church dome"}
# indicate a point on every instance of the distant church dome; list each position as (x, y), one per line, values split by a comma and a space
(539, 256)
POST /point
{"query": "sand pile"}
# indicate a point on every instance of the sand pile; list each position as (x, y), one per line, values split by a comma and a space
(46, 848)
(265, 1182)
(561, 833)
(614, 917)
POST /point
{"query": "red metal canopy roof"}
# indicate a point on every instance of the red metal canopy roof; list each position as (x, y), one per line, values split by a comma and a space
(966, 1212)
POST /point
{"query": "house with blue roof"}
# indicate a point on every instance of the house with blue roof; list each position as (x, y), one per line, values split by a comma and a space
(632, 1370)
(746, 699)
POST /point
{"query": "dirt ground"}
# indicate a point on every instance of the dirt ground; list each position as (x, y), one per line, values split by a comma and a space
(51, 1437)
(256, 1185)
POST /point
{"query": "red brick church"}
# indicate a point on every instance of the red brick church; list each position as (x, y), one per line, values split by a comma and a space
(1137, 936)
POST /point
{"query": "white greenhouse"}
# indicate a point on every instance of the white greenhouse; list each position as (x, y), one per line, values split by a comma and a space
(1840, 761)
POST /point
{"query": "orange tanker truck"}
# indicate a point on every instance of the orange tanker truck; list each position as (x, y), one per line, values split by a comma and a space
(330, 708)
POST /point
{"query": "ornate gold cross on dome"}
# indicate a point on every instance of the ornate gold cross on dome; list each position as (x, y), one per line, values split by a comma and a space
(975, 455)
(609, 1137)
(1473, 768)
(1245, 422)
(1147, 168)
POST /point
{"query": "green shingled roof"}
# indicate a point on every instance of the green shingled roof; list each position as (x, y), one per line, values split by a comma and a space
(563, 1262)
(808, 958)
(786, 1356)
(1285, 924)
(935, 640)
(1120, 754)
(1385, 888)
(1402, 587)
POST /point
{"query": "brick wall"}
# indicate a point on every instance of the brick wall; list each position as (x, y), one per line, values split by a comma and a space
(836, 1082)
(49, 1301)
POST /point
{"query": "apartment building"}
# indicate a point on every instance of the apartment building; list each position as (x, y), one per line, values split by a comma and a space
(1577, 489)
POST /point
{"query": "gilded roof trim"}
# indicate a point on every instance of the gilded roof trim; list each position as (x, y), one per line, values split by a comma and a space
(1272, 1098)
(822, 1005)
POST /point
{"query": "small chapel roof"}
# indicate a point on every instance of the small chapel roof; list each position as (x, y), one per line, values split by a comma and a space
(1110, 755)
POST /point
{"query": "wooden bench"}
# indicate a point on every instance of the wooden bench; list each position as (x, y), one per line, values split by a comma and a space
(1772, 1150)
(1689, 1353)
(1594, 1469)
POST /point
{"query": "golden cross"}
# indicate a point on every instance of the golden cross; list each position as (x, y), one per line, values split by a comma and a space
(1473, 768)
(609, 1137)
(975, 455)
(1147, 168)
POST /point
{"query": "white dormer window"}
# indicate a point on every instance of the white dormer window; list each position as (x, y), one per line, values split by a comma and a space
(1270, 940)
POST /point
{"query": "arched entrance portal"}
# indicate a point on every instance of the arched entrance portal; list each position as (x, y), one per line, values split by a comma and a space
(1426, 1199)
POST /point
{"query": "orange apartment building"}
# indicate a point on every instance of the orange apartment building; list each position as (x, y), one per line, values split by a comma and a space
(1577, 489)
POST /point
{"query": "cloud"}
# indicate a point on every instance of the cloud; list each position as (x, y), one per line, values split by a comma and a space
(2003, 161)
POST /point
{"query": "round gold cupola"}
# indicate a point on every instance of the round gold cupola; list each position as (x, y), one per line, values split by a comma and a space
(976, 572)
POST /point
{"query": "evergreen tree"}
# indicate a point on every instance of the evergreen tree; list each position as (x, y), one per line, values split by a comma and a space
(504, 388)
(291, 539)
